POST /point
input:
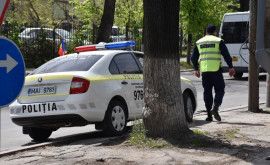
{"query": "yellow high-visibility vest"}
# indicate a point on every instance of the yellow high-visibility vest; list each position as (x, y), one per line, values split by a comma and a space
(210, 56)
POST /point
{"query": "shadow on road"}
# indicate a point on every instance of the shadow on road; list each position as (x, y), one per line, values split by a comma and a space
(203, 122)
(261, 78)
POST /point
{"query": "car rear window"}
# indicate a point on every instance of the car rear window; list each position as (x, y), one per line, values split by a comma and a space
(68, 64)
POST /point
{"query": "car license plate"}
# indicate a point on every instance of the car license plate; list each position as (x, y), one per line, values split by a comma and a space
(43, 90)
(234, 59)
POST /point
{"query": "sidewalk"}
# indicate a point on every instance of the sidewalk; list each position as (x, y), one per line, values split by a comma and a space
(241, 137)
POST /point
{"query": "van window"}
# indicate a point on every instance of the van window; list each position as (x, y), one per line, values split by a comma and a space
(235, 32)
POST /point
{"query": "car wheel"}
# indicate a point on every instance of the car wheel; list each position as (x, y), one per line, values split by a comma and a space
(188, 106)
(39, 134)
(238, 75)
(115, 119)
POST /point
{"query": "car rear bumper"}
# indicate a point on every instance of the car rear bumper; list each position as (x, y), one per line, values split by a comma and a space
(89, 111)
(51, 121)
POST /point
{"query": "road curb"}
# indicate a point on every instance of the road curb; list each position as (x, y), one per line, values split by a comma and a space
(64, 140)
(187, 70)
(227, 109)
(13, 151)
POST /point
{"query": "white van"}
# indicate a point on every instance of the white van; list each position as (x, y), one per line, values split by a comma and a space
(234, 30)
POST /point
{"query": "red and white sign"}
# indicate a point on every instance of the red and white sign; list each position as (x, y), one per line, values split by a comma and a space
(3, 8)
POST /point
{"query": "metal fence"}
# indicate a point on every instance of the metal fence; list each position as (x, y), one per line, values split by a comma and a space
(39, 45)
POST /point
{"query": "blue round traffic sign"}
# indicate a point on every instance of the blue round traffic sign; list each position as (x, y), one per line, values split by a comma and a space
(12, 72)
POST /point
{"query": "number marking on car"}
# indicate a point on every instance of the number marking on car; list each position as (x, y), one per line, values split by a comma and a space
(138, 95)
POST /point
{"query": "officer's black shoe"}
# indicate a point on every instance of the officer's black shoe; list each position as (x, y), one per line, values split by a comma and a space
(215, 113)
(209, 118)
(209, 115)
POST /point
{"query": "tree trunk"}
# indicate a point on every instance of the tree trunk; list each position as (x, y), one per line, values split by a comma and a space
(37, 22)
(127, 29)
(244, 5)
(106, 24)
(267, 26)
(267, 47)
(253, 69)
(163, 112)
(181, 40)
(127, 26)
(189, 44)
(94, 33)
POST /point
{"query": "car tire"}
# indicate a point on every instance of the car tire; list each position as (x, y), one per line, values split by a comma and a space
(39, 134)
(238, 75)
(115, 121)
(189, 106)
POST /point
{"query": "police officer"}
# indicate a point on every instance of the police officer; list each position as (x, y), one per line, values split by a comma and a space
(209, 51)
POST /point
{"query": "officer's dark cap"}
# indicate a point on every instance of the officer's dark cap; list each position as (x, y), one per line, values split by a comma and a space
(210, 29)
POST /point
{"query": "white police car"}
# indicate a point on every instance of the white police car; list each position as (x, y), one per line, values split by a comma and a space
(103, 87)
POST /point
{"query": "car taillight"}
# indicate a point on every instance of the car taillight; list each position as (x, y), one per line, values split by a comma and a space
(79, 85)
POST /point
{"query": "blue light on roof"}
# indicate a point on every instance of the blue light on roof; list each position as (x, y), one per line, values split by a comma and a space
(119, 45)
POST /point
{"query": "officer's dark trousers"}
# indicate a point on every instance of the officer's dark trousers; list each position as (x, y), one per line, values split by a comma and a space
(210, 80)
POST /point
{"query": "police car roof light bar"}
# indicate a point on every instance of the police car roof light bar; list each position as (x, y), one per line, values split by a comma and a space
(102, 45)
(119, 45)
(85, 48)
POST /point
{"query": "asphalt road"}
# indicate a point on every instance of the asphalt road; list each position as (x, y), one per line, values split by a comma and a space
(236, 91)
(236, 95)
(12, 136)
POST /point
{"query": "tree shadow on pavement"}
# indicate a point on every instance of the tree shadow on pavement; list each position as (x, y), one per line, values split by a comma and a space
(255, 154)
(216, 145)
(203, 122)
(225, 143)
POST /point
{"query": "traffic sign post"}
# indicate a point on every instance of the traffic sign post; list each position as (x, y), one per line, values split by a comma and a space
(3, 8)
(12, 72)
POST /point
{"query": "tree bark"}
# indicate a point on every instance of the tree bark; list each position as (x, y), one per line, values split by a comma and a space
(244, 5)
(127, 29)
(267, 47)
(253, 69)
(163, 112)
(106, 24)
(267, 26)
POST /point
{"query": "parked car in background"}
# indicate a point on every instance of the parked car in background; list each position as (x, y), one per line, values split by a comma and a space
(117, 34)
(34, 33)
(49, 33)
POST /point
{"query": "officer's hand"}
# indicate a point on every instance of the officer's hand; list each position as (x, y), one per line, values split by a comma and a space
(197, 73)
(231, 72)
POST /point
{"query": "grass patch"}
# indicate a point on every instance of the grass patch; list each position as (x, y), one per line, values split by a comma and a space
(184, 53)
(199, 142)
(185, 65)
(138, 138)
(267, 111)
(196, 131)
(229, 134)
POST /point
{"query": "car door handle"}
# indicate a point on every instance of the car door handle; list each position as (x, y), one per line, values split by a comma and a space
(124, 82)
